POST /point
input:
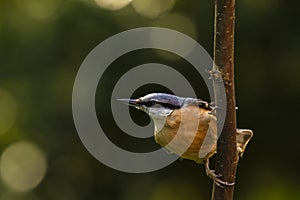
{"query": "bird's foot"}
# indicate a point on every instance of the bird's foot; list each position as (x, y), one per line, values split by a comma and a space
(216, 177)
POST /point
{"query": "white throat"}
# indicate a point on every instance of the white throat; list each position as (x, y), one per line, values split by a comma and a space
(159, 116)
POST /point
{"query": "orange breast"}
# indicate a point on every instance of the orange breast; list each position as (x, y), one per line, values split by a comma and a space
(190, 132)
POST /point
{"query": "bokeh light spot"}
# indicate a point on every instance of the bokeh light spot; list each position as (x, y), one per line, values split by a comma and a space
(179, 23)
(22, 166)
(112, 4)
(152, 8)
(8, 111)
(39, 9)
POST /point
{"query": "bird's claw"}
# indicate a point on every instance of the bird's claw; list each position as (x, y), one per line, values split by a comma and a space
(216, 177)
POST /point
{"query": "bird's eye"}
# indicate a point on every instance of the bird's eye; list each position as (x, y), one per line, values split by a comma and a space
(150, 103)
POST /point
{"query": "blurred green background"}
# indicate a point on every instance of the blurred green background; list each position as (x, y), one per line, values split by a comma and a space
(42, 45)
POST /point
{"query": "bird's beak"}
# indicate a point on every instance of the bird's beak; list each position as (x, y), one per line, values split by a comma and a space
(130, 102)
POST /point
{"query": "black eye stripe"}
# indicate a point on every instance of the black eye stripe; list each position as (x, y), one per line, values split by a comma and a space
(150, 103)
(147, 103)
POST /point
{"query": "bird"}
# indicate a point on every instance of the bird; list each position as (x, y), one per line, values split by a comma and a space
(187, 127)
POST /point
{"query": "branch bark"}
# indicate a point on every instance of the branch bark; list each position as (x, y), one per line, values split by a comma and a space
(227, 157)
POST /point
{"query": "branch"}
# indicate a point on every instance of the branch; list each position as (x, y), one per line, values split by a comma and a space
(227, 157)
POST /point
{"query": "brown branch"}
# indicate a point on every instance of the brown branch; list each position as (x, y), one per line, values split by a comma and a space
(227, 157)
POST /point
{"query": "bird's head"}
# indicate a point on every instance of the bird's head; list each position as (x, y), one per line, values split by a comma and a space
(156, 105)
(160, 105)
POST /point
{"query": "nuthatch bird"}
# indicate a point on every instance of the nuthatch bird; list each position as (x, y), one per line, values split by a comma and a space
(186, 127)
